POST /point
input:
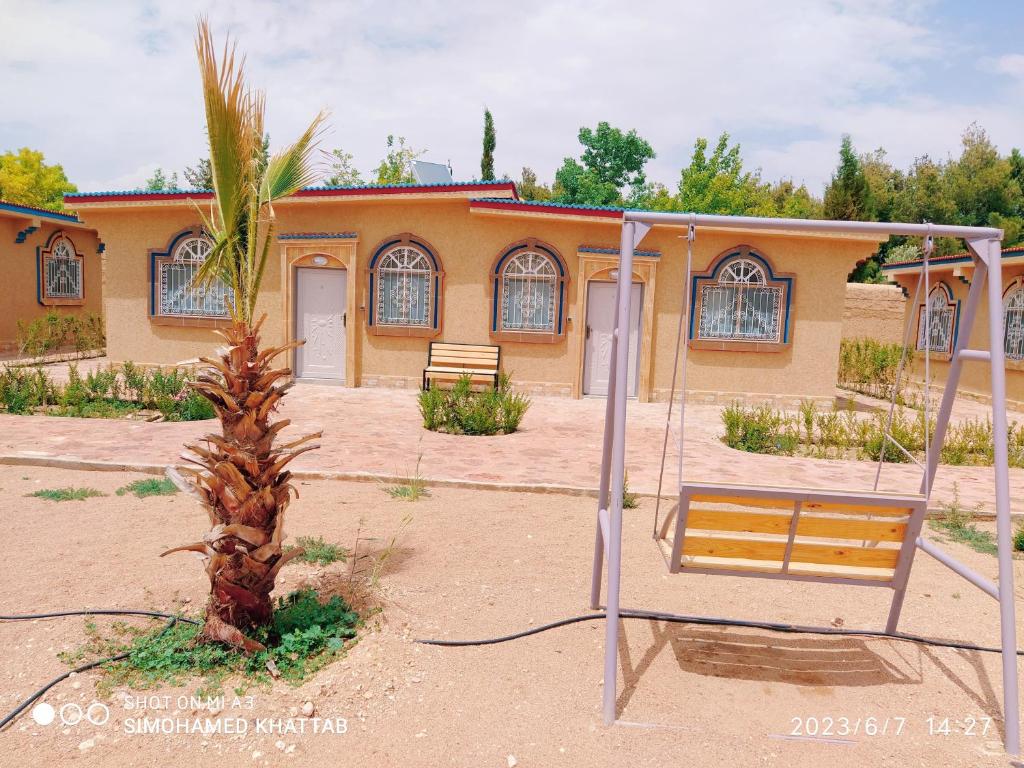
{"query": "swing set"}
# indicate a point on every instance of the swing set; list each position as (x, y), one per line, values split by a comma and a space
(834, 536)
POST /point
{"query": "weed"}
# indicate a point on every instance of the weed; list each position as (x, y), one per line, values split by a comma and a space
(151, 486)
(957, 521)
(629, 499)
(413, 488)
(66, 494)
(319, 551)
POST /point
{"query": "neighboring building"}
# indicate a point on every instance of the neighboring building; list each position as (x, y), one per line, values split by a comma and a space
(51, 262)
(950, 279)
(369, 275)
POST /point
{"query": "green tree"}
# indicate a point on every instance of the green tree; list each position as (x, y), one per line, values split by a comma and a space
(26, 179)
(530, 189)
(719, 185)
(981, 182)
(490, 142)
(847, 197)
(343, 173)
(200, 175)
(160, 182)
(611, 161)
(793, 202)
(396, 167)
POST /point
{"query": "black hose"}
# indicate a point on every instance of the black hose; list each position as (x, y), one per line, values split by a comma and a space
(172, 620)
(717, 622)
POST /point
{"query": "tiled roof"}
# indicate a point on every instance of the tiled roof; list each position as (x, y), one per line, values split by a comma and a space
(950, 258)
(316, 235)
(174, 194)
(544, 206)
(615, 251)
(33, 211)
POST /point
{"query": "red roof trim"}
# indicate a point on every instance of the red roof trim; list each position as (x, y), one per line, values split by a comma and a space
(560, 210)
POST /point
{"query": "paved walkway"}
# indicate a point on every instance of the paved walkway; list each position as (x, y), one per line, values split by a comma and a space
(378, 431)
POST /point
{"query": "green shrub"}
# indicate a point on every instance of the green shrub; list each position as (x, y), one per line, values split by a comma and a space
(151, 486)
(66, 494)
(55, 331)
(462, 410)
(759, 430)
(22, 389)
(1018, 538)
(869, 366)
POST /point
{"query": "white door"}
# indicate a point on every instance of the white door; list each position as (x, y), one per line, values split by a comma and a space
(320, 320)
(597, 357)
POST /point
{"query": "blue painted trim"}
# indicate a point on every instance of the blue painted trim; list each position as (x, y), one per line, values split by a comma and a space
(494, 308)
(615, 251)
(154, 255)
(435, 264)
(41, 212)
(317, 236)
(102, 247)
(550, 204)
(713, 275)
(23, 234)
(497, 275)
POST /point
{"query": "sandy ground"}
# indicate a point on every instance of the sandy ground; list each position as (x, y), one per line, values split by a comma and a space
(475, 564)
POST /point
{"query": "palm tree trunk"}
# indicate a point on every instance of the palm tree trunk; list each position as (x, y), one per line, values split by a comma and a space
(243, 485)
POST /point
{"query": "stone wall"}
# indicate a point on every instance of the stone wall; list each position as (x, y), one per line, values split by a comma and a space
(874, 311)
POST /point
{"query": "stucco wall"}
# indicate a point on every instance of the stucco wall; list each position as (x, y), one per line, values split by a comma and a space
(18, 291)
(975, 377)
(467, 244)
(874, 312)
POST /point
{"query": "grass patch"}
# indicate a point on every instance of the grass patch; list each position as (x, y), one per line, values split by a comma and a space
(151, 486)
(66, 494)
(306, 636)
(958, 524)
(319, 552)
(413, 489)
(629, 499)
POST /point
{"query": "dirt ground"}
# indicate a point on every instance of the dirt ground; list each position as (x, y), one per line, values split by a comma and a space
(474, 564)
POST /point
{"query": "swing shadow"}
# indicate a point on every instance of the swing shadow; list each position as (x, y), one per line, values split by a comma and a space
(802, 660)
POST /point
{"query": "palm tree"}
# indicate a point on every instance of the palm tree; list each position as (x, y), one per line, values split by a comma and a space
(241, 481)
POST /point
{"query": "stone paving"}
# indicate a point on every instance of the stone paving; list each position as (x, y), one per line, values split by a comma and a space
(378, 432)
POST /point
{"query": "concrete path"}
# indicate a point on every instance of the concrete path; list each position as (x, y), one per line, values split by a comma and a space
(378, 432)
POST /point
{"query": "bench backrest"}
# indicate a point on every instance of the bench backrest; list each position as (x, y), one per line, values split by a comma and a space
(806, 534)
(470, 356)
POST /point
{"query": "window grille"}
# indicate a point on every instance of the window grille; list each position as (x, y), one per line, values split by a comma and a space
(404, 288)
(179, 295)
(740, 306)
(1013, 330)
(937, 335)
(528, 293)
(63, 272)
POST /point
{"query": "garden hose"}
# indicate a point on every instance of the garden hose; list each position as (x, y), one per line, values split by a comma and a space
(172, 620)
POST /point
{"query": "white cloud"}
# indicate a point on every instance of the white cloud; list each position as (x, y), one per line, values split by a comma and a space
(111, 90)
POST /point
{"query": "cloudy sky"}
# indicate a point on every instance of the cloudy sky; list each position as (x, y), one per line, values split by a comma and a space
(111, 89)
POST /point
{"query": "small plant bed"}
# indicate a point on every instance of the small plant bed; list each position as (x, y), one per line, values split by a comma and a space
(957, 522)
(845, 434)
(151, 486)
(56, 332)
(66, 494)
(462, 410)
(870, 367)
(114, 392)
(307, 634)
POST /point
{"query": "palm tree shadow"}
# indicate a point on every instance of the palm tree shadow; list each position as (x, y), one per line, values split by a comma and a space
(803, 660)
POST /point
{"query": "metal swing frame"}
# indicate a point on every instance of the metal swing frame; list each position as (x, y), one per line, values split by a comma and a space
(984, 245)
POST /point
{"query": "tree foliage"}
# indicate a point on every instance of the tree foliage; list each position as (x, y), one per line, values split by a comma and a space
(161, 182)
(343, 172)
(396, 167)
(490, 142)
(25, 178)
(611, 161)
(847, 197)
(530, 188)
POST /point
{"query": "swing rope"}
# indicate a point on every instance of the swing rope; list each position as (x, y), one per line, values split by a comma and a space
(684, 312)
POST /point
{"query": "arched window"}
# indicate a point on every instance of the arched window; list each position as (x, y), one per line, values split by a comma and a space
(405, 287)
(741, 301)
(936, 328)
(176, 294)
(529, 292)
(1013, 329)
(61, 271)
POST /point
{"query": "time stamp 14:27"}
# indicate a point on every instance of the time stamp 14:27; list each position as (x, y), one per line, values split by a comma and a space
(841, 726)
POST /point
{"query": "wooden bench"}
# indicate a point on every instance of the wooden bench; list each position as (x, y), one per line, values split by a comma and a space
(450, 362)
(794, 533)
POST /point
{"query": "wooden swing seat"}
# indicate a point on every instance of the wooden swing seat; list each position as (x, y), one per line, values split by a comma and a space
(838, 536)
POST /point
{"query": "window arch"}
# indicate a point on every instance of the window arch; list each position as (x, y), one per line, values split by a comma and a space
(740, 300)
(1013, 322)
(405, 281)
(61, 279)
(528, 281)
(938, 334)
(174, 293)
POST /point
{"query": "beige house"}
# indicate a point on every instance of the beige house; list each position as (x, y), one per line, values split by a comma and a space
(950, 279)
(52, 261)
(370, 275)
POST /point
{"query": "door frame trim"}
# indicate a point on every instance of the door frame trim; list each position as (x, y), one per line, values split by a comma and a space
(640, 330)
(598, 267)
(336, 254)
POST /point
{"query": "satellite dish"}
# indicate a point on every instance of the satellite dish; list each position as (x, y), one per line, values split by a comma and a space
(431, 173)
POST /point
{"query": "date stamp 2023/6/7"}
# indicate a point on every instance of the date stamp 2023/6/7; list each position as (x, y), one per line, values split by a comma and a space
(845, 727)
